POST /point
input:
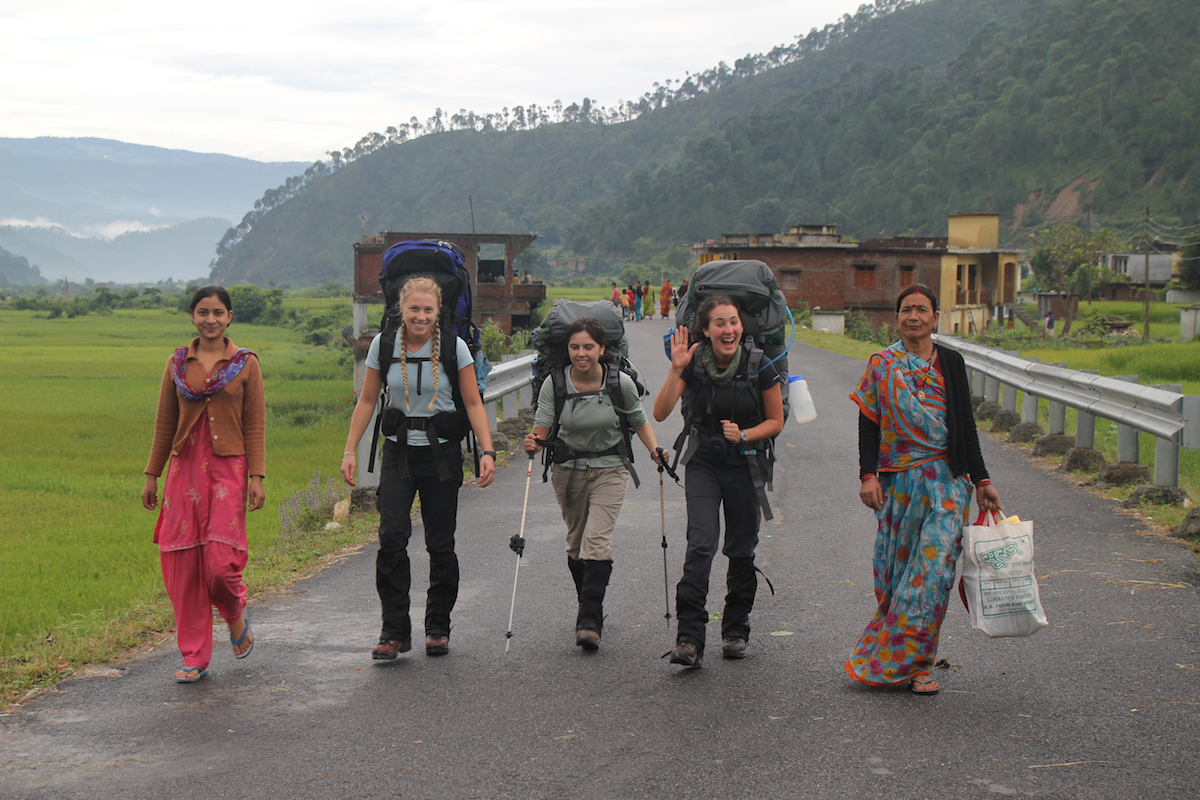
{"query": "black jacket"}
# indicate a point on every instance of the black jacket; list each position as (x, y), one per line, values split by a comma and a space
(963, 439)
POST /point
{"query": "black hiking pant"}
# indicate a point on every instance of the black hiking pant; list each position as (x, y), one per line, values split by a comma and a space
(712, 488)
(439, 515)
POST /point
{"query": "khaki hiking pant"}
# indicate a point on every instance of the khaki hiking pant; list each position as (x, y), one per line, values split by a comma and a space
(590, 500)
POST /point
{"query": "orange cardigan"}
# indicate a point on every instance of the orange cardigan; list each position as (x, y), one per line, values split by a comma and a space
(237, 415)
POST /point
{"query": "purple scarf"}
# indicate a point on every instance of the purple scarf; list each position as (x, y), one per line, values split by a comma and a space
(219, 379)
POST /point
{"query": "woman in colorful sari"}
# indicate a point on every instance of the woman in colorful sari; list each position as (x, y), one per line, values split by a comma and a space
(918, 457)
(664, 297)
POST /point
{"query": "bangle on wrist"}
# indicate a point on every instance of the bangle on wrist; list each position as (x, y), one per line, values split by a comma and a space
(864, 476)
(349, 453)
(984, 482)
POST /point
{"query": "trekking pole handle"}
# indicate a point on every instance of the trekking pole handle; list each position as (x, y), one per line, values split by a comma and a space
(662, 455)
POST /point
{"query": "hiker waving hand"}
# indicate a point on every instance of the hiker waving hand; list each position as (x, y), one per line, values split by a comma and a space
(731, 409)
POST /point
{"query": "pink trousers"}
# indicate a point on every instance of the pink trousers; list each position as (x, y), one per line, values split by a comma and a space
(197, 579)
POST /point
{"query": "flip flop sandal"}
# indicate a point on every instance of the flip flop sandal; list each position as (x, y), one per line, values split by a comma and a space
(200, 673)
(238, 641)
(923, 678)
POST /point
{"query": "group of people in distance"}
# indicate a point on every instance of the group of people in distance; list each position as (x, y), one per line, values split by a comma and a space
(919, 460)
(637, 302)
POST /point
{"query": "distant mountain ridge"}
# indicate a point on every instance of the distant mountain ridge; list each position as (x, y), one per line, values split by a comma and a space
(182, 251)
(135, 179)
(76, 207)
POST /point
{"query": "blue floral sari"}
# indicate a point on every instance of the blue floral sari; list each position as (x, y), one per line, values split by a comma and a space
(919, 537)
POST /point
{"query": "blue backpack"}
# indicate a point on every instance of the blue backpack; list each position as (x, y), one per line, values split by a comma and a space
(444, 263)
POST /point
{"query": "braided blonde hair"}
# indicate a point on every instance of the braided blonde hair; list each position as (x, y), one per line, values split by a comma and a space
(428, 286)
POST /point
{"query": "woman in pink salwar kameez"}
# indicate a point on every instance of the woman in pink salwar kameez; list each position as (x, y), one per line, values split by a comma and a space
(210, 422)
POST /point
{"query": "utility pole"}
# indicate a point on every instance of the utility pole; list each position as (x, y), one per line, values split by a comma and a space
(1146, 290)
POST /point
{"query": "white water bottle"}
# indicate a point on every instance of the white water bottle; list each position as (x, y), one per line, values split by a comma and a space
(800, 399)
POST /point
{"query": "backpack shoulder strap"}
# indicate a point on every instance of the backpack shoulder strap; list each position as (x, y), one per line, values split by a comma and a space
(448, 356)
(612, 387)
(754, 366)
(693, 391)
(387, 355)
(558, 379)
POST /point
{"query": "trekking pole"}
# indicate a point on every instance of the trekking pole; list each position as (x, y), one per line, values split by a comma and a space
(517, 543)
(662, 513)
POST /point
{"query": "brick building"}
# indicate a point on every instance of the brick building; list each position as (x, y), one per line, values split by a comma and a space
(967, 271)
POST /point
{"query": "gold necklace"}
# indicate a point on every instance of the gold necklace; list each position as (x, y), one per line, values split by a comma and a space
(922, 378)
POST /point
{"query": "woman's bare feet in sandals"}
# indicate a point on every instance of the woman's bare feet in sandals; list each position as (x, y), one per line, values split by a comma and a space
(241, 637)
(923, 684)
(190, 674)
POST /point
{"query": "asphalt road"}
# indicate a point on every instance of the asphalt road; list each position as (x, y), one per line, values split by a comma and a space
(1104, 703)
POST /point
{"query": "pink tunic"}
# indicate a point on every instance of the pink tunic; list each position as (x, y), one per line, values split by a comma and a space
(204, 497)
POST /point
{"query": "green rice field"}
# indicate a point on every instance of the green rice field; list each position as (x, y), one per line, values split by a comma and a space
(77, 397)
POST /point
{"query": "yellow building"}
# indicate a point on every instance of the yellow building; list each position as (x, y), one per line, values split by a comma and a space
(977, 275)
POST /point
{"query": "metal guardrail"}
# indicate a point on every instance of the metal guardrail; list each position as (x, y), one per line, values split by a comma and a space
(508, 377)
(1171, 417)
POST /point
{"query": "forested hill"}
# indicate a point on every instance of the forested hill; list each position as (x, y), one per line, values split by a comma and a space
(1079, 105)
(947, 105)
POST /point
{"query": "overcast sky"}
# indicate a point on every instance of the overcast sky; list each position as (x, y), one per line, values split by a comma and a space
(289, 81)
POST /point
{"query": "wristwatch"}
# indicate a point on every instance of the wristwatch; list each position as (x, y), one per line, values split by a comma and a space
(491, 453)
(743, 437)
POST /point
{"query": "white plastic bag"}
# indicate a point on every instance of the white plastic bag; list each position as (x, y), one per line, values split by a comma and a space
(998, 583)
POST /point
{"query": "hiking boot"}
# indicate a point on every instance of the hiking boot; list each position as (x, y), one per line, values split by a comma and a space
(733, 647)
(437, 645)
(685, 653)
(388, 649)
(593, 585)
(588, 640)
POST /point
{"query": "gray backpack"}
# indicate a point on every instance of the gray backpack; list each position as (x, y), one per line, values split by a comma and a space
(764, 309)
(551, 345)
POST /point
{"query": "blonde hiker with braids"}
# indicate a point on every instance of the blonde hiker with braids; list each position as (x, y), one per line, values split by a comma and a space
(417, 459)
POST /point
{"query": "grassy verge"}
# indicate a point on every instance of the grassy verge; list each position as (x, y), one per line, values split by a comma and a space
(836, 343)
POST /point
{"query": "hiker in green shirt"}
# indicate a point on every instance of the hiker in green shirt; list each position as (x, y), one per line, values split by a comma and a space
(588, 428)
